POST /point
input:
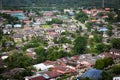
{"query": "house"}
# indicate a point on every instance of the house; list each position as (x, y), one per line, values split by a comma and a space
(18, 37)
(42, 66)
(35, 77)
(36, 24)
(17, 26)
(8, 26)
(115, 52)
(27, 22)
(64, 59)
(55, 25)
(63, 69)
(92, 73)
(106, 55)
(48, 13)
(59, 30)
(88, 62)
(6, 31)
(53, 74)
(30, 52)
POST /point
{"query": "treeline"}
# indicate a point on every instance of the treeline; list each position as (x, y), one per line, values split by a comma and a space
(59, 3)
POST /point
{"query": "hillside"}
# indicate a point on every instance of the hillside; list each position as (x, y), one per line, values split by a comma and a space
(59, 3)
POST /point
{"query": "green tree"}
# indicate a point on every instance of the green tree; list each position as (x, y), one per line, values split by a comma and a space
(89, 26)
(115, 42)
(80, 45)
(55, 21)
(97, 38)
(41, 54)
(81, 16)
(116, 69)
(102, 63)
(18, 60)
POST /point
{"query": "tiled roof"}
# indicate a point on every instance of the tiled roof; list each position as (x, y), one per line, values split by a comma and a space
(38, 78)
(53, 74)
(115, 50)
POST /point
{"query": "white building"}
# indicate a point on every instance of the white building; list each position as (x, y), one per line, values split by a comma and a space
(42, 66)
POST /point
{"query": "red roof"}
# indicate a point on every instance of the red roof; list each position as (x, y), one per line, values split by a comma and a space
(63, 69)
(38, 78)
(9, 11)
(53, 74)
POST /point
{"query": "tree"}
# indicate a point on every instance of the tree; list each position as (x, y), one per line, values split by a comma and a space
(106, 76)
(89, 26)
(55, 21)
(100, 47)
(99, 64)
(18, 60)
(115, 42)
(81, 16)
(97, 38)
(41, 54)
(100, 14)
(116, 69)
(80, 45)
(102, 63)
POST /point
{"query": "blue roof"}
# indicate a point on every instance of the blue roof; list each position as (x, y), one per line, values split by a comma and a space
(20, 16)
(92, 73)
(103, 29)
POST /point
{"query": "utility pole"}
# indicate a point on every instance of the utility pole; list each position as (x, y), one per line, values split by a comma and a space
(103, 3)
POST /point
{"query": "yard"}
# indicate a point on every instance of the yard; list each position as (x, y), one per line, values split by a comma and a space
(46, 26)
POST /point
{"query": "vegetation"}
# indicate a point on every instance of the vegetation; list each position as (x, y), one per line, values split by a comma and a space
(9, 19)
(55, 21)
(109, 74)
(18, 60)
(81, 16)
(102, 63)
(62, 40)
(115, 43)
(80, 45)
(58, 3)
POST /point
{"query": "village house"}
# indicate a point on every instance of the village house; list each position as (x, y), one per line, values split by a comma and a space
(31, 53)
(18, 37)
(42, 67)
(6, 31)
(113, 53)
(35, 77)
(48, 13)
(17, 26)
(8, 26)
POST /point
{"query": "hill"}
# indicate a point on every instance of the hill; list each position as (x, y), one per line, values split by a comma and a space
(59, 3)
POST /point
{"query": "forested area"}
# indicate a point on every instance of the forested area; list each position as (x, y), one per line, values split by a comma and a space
(59, 3)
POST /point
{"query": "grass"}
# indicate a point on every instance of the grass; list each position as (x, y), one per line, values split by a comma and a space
(46, 26)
